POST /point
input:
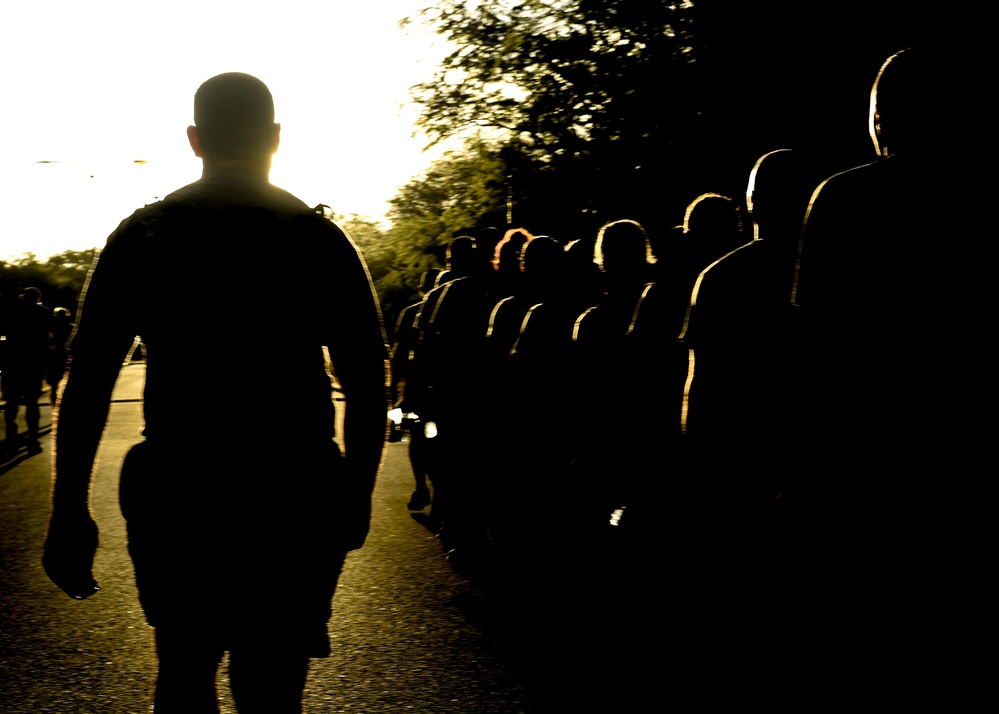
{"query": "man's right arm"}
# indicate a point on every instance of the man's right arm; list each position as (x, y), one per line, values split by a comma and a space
(97, 351)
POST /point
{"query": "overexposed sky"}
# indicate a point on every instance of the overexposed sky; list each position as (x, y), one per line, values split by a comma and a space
(95, 86)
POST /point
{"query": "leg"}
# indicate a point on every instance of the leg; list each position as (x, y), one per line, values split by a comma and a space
(187, 673)
(266, 680)
(418, 460)
(10, 419)
(10, 416)
(32, 415)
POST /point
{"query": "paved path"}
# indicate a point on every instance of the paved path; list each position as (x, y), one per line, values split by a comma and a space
(409, 634)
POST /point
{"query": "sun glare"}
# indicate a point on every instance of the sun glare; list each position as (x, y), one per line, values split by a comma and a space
(99, 125)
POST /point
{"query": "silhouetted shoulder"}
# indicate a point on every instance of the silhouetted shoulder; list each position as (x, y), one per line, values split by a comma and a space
(845, 185)
(225, 192)
(141, 222)
(229, 190)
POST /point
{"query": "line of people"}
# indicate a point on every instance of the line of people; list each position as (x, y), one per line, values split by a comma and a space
(747, 397)
(547, 380)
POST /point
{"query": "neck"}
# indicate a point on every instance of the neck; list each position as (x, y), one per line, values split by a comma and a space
(259, 167)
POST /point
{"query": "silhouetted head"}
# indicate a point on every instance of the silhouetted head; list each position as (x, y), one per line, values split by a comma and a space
(506, 255)
(622, 247)
(714, 222)
(487, 239)
(461, 255)
(777, 194)
(542, 256)
(60, 313)
(234, 118)
(31, 295)
(909, 103)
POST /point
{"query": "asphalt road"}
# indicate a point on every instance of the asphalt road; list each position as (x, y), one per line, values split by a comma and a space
(409, 633)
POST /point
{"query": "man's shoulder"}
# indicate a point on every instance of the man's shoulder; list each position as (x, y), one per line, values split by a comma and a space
(204, 204)
(839, 195)
(846, 182)
(235, 190)
(142, 221)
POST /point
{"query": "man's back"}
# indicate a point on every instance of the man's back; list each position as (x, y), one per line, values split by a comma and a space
(227, 282)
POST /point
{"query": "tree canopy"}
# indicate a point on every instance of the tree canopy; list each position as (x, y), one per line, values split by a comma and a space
(575, 91)
(466, 188)
(60, 278)
(631, 108)
(555, 75)
(577, 112)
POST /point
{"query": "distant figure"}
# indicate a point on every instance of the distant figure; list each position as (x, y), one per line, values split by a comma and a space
(62, 327)
(562, 288)
(606, 457)
(445, 387)
(406, 336)
(507, 274)
(530, 386)
(734, 338)
(624, 255)
(730, 398)
(894, 311)
(547, 394)
(26, 356)
(515, 398)
(878, 286)
(238, 521)
(515, 291)
(424, 361)
(712, 226)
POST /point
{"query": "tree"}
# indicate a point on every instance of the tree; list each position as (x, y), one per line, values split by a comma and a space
(631, 108)
(369, 238)
(556, 75)
(61, 278)
(464, 190)
(576, 88)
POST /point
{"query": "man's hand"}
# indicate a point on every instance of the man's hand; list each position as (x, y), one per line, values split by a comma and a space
(68, 557)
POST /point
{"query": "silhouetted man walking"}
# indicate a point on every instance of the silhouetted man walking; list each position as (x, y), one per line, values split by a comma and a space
(26, 354)
(237, 528)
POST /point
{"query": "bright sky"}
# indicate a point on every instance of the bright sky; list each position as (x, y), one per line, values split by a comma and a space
(95, 86)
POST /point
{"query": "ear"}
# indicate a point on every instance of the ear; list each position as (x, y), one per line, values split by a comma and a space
(882, 147)
(276, 139)
(195, 140)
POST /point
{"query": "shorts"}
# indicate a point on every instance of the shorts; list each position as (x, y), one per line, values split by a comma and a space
(235, 548)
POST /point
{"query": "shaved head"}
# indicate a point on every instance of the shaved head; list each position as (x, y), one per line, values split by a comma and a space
(234, 116)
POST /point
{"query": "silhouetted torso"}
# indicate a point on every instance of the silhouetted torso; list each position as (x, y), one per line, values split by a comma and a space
(279, 421)
(170, 303)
